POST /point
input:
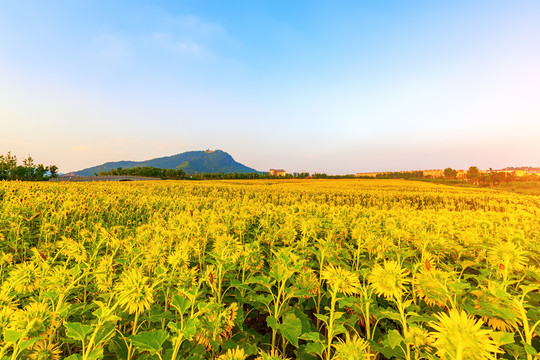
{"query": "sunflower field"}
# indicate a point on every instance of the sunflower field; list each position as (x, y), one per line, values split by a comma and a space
(282, 269)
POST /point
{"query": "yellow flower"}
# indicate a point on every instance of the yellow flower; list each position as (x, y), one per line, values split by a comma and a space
(419, 338)
(431, 286)
(24, 278)
(34, 318)
(354, 348)
(272, 355)
(234, 354)
(458, 336)
(341, 280)
(134, 293)
(44, 350)
(72, 249)
(507, 256)
(388, 280)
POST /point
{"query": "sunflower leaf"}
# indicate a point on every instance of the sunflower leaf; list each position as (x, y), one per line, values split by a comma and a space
(77, 330)
(150, 341)
(394, 338)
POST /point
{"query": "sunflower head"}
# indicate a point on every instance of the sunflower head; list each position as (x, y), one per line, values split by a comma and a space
(35, 318)
(233, 354)
(458, 336)
(354, 348)
(272, 355)
(44, 350)
(341, 280)
(431, 286)
(419, 338)
(72, 249)
(24, 277)
(135, 293)
(389, 279)
(506, 255)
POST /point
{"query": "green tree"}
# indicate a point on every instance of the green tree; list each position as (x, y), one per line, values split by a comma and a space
(473, 173)
(450, 173)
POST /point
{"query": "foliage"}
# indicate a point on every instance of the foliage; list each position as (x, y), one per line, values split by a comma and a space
(28, 171)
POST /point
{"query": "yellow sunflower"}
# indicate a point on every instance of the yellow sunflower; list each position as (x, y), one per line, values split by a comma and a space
(388, 280)
(341, 280)
(233, 354)
(507, 256)
(431, 286)
(458, 336)
(134, 292)
(354, 348)
(272, 355)
(44, 350)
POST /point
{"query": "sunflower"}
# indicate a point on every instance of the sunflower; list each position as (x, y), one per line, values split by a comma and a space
(216, 324)
(419, 338)
(5, 317)
(272, 355)
(307, 280)
(34, 318)
(24, 278)
(58, 279)
(134, 292)
(388, 280)
(507, 256)
(233, 354)
(44, 350)
(178, 258)
(354, 348)
(341, 280)
(104, 273)
(227, 248)
(72, 249)
(431, 286)
(458, 336)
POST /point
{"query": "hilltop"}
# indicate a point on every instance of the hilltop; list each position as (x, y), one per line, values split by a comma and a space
(191, 162)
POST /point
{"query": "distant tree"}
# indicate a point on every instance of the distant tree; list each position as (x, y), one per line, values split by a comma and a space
(473, 173)
(28, 171)
(450, 173)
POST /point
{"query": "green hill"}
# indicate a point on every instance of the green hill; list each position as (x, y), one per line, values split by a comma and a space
(191, 162)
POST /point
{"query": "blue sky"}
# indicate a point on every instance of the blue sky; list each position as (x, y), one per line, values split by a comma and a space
(319, 86)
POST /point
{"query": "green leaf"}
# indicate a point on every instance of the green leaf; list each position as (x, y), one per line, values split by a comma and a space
(393, 315)
(180, 303)
(95, 354)
(530, 350)
(149, 340)
(323, 318)
(291, 328)
(25, 344)
(74, 357)
(311, 336)
(394, 338)
(315, 348)
(502, 338)
(12, 336)
(77, 331)
(272, 322)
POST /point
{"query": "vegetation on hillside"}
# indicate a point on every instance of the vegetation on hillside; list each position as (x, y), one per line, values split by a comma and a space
(191, 162)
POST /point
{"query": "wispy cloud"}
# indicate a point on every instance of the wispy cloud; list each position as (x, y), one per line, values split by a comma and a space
(189, 34)
(79, 148)
(109, 49)
(168, 41)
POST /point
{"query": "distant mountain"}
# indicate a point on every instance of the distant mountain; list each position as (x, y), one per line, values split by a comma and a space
(191, 162)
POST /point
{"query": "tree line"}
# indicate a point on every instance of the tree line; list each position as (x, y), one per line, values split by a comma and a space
(27, 171)
(172, 174)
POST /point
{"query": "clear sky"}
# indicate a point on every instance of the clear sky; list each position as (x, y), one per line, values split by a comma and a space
(319, 86)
